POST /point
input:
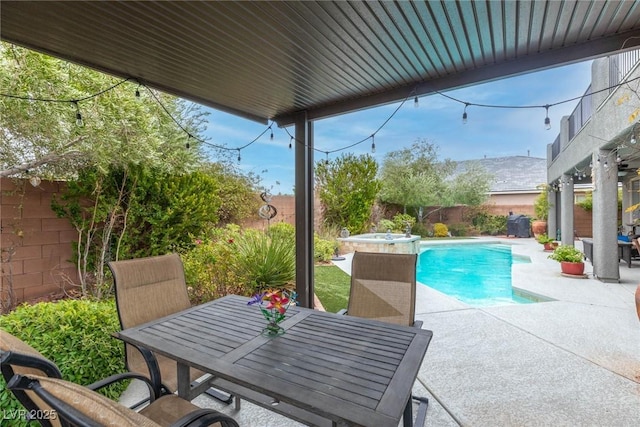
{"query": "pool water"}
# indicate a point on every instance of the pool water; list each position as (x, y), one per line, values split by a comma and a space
(477, 274)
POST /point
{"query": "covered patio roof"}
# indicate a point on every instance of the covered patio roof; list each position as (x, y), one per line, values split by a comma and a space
(269, 60)
(295, 62)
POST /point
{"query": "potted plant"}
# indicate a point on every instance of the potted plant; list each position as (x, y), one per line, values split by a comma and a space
(541, 210)
(549, 243)
(571, 260)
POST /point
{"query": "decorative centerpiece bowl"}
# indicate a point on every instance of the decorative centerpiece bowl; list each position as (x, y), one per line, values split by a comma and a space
(274, 304)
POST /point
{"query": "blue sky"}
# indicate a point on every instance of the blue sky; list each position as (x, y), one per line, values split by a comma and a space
(490, 132)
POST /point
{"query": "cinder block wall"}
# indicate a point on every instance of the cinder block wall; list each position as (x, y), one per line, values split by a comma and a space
(286, 212)
(36, 245)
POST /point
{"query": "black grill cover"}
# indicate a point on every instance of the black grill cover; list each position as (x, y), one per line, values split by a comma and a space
(518, 226)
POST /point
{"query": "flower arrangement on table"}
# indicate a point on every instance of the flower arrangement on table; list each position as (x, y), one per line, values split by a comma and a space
(273, 304)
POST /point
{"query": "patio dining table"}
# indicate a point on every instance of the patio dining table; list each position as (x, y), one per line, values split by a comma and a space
(326, 369)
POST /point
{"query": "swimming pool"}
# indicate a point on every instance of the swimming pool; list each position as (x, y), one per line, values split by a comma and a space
(477, 274)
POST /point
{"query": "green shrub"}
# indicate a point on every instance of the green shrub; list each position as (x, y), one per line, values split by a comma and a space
(384, 225)
(265, 262)
(489, 224)
(76, 335)
(458, 230)
(421, 230)
(400, 222)
(323, 249)
(440, 230)
(282, 230)
(541, 203)
(210, 267)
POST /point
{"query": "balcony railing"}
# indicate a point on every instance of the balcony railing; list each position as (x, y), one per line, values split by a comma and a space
(580, 114)
(620, 66)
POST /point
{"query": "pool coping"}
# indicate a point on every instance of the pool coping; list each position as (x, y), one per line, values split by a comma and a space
(571, 360)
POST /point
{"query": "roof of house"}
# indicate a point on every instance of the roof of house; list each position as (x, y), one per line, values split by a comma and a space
(514, 174)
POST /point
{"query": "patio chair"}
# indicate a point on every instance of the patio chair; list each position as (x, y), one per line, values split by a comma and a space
(148, 289)
(383, 287)
(81, 406)
(17, 357)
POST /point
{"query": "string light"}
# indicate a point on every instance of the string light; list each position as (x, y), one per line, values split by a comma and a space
(79, 121)
(239, 157)
(547, 121)
(416, 104)
(373, 143)
(188, 145)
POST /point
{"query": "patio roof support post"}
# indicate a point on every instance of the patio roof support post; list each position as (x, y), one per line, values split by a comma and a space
(552, 220)
(566, 211)
(304, 209)
(605, 216)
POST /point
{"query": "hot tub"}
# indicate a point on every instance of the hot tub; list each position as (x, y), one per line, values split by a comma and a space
(380, 242)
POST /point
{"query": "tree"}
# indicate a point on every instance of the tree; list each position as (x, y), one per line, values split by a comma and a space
(470, 187)
(347, 188)
(236, 191)
(414, 178)
(118, 128)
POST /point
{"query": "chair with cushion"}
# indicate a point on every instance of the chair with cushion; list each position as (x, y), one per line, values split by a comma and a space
(80, 406)
(148, 289)
(17, 357)
(383, 287)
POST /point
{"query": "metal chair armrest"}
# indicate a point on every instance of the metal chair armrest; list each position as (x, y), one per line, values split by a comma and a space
(203, 418)
(112, 379)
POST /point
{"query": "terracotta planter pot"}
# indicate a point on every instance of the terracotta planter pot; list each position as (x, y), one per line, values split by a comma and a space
(550, 246)
(573, 268)
(538, 227)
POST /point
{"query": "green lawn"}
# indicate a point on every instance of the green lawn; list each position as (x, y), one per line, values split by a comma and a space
(332, 287)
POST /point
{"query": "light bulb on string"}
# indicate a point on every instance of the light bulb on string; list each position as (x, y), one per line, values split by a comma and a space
(547, 121)
(606, 164)
(271, 136)
(291, 143)
(416, 103)
(464, 114)
(373, 143)
(79, 121)
(188, 145)
(239, 157)
(138, 93)
(326, 161)
(633, 139)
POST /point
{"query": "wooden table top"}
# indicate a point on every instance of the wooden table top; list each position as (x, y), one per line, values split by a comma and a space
(350, 370)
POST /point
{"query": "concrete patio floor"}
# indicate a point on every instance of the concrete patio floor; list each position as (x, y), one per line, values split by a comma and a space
(573, 361)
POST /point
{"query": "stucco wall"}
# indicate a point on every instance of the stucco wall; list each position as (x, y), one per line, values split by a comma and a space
(36, 245)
